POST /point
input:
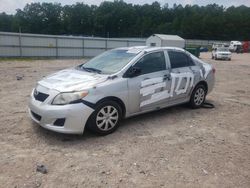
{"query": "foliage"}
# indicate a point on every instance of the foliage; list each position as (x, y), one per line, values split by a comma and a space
(120, 19)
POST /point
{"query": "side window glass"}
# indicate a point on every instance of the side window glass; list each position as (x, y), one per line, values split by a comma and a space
(178, 59)
(152, 62)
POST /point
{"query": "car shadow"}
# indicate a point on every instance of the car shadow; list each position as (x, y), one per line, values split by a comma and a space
(88, 137)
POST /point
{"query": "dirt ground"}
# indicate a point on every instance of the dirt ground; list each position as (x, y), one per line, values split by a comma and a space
(174, 147)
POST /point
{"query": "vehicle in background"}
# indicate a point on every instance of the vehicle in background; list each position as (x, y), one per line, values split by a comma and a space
(203, 49)
(236, 46)
(221, 53)
(117, 84)
(246, 46)
(239, 49)
(219, 45)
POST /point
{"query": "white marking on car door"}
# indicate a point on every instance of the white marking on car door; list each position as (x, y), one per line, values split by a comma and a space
(156, 87)
(190, 81)
(151, 81)
(151, 89)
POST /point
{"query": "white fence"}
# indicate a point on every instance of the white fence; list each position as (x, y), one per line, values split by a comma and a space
(56, 46)
(33, 45)
(191, 42)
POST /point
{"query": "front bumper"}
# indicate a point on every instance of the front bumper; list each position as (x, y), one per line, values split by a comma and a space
(224, 56)
(76, 116)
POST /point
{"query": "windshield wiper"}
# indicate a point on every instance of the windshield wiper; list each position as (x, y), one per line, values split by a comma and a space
(91, 69)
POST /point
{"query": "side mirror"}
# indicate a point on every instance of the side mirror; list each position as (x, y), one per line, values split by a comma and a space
(133, 72)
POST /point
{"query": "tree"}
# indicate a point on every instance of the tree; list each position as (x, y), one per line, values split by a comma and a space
(120, 19)
(5, 22)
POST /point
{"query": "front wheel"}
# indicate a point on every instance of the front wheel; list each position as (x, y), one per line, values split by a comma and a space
(105, 119)
(198, 96)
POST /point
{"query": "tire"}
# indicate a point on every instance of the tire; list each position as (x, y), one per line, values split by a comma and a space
(198, 96)
(105, 119)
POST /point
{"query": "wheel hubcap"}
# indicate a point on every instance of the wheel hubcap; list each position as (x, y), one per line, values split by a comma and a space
(107, 118)
(199, 96)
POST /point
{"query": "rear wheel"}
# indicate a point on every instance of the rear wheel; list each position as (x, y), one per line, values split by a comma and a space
(198, 96)
(105, 119)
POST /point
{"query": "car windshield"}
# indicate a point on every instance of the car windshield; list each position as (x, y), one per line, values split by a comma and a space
(109, 62)
(223, 50)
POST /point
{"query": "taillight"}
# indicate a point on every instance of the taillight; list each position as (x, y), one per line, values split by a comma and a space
(213, 69)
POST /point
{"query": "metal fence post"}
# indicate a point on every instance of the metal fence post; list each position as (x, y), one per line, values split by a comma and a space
(106, 44)
(56, 47)
(83, 47)
(20, 45)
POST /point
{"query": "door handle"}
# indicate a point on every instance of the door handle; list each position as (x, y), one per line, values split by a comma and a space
(167, 77)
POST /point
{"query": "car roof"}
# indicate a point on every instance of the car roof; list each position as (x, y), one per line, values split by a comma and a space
(139, 49)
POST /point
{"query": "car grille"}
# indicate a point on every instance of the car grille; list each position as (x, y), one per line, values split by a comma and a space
(36, 116)
(40, 96)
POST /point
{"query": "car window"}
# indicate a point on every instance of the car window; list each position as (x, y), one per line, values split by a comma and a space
(223, 50)
(179, 59)
(191, 61)
(152, 62)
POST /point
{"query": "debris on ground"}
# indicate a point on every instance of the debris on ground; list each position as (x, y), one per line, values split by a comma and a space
(42, 169)
(19, 77)
(204, 171)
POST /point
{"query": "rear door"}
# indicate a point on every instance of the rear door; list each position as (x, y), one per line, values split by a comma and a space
(182, 75)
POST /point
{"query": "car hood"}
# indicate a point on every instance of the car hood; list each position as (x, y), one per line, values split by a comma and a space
(72, 80)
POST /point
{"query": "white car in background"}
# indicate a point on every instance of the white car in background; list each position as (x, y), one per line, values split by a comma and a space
(234, 45)
(219, 45)
(221, 53)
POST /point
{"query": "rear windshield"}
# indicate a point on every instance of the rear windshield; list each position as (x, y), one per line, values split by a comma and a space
(222, 50)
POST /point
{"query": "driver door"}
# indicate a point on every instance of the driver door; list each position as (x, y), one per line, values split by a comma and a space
(148, 89)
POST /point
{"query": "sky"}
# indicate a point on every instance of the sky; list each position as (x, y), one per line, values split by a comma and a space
(10, 6)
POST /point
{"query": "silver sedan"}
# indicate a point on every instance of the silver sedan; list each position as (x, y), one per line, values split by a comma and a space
(117, 84)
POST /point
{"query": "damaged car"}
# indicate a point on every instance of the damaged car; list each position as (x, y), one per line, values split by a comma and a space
(118, 84)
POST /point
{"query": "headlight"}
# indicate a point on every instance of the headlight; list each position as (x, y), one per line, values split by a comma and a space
(66, 98)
